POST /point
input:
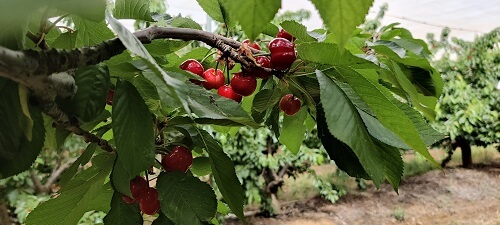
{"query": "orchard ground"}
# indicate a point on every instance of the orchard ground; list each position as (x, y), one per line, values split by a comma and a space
(454, 196)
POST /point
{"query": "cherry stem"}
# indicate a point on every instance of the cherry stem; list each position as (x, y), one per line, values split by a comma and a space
(262, 54)
(208, 54)
(147, 177)
(227, 71)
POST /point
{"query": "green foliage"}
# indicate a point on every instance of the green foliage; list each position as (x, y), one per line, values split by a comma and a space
(470, 104)
(185, 199)
(135, 147)
(361, 91)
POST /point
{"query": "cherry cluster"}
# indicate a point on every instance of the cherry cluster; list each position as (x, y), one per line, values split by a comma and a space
(179, 159)
(282, 55)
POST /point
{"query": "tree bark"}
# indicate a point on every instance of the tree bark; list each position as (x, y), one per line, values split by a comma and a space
(4, 214)
(466, 152)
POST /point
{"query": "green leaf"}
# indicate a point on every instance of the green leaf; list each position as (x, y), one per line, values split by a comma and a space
(201, 166)
(345, 124)
(214, 109)
(123, 213)
(266, 99)
(411, 90)
(184, 199)
(393, 163)
(257, 14)
(162, 47)
(297, 30)
(90, 33)
(134, 136)
(293, 130)
(184, 22)
(213, 8)
(90, 9)
(65, 40)
(428, 134)
(387, 48)
(93, 83)
(132, 9)
(385, 111)
(343, 155)
(172, 85)
(82, 160)
(27, 125)
(10, 120)
(381, 133)
(20, 159)
(342, 17)
(330, 54)
(223, 171)
(74, 198)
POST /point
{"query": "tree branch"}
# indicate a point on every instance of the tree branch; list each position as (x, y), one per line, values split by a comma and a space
(57, 173)
(39, 187)
(50, 108)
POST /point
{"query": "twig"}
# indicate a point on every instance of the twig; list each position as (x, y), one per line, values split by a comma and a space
(63, 120)
(57, 173)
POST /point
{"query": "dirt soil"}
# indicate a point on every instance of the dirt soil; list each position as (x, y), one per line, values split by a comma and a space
(454, 196)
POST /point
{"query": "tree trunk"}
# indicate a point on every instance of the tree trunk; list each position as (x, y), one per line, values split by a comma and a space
(466, 152)
(4, 214)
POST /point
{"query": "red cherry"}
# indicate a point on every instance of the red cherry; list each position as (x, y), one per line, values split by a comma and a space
(290, 104)
(243, 85)
(283, 34)
(282, 53)
(128, 200)
(149, 202)
(250, 44)
(193, 66)
(179, 159)
(109, 97)
(228, 92)
(137, 186)
(259, 72)
(214, 79)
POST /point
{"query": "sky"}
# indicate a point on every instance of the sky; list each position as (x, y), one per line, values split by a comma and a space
(466, 18)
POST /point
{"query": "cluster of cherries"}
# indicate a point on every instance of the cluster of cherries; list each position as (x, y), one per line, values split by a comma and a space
(282, 56)
(179, 159)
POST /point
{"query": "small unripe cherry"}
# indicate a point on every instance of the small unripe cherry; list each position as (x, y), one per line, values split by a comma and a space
(149, 203)
(228, 92)
(109, 97)
(243, 84)
(179, 159)
(290, 104)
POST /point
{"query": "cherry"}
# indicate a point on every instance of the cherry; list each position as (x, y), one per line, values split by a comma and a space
(109, 97)
(179, 159)
(259, 72)
(128, 200)
(214, 79)
(243, 85)
(193, 66)
(250, 44)
(228, 92)
(137, 186)
(149, 203)
(290, 104)
(283, 34)
(282, 53)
